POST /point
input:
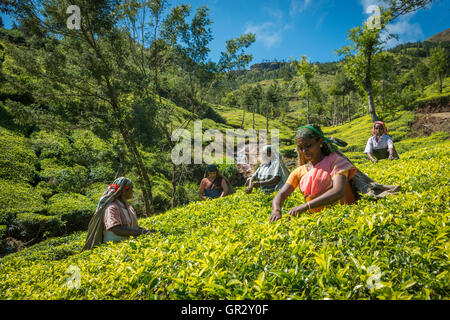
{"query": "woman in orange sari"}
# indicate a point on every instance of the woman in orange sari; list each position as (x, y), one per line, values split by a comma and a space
(323, 176)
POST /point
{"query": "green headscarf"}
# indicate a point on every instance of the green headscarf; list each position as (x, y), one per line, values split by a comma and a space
(95, 228)
(310, 131)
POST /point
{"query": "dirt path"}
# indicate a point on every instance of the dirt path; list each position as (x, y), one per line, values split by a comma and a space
(432, 118)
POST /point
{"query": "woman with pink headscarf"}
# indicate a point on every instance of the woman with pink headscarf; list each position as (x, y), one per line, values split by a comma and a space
(380, 145)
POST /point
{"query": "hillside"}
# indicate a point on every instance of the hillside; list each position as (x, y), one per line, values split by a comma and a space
(395, 248)
(443, 36)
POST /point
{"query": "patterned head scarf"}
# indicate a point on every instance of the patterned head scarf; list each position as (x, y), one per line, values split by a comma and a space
(313, 131)
(95, 228)
(382, 124)
(114, 190)
(373, 129)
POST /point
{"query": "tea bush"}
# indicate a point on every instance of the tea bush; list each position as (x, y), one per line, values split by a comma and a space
(17, 160)
(51, 145)
(33, 226)
(394, 248)
(62, 178)
(74, 209)
(3, 229)
(18, 198)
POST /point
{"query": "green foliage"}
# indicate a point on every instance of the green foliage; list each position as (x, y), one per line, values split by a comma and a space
(51, 145)
(439, 64)
(88, 148)
(227, 249)
(17, 159)
(431, 92)
(3, 229)
(64, 178)
(162, 193)
(17, 198)
(74, 209)
(95, 191)
(35, 226)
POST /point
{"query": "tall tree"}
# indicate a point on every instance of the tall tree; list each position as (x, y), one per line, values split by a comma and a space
(438, 61)
(89, 64)
(304, 80)
(363, 55)
(245, 100)
(257, 94)
(274, 99)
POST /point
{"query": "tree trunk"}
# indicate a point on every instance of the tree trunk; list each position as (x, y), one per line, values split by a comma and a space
(253, 120)
(174, 184)
(371, 104)
(369, 91)
(440, 83)
(131, 146)
(307, 107)
(335, 112)
(348, 109)
(243, 118)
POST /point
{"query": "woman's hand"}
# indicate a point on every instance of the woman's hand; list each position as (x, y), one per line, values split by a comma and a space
(276, 215)
(278, 200)
(252, 185)
(146, 231)
(296, 211)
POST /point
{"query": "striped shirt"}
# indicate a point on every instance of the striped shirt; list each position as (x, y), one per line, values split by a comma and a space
(264, 172)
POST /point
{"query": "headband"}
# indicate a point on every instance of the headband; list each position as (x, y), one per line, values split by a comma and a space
(331, 143)
(116, 187)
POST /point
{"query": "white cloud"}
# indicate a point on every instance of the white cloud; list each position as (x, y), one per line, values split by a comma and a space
(321, 19)
(268, 33)
(367, 3)
(298, 6)
(403, 27)
(406, 31)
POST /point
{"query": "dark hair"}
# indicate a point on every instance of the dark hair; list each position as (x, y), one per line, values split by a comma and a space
(211, 168)
(310, 134)
(217, 183)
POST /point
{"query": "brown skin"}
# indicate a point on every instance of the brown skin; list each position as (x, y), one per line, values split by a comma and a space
(311, 149)
(124, 231)
(256, 184)
(211, 176)
(379, 132)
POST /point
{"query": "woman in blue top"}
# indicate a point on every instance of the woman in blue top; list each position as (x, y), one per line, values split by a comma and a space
(214, 185)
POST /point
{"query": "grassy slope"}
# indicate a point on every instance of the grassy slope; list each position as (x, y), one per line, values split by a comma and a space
(227, 249)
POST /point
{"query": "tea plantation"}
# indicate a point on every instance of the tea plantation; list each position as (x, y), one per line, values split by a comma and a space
(394, 248)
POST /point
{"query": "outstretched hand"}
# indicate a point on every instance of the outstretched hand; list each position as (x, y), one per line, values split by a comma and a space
(296, 211)
(147, 231)
(276, 215)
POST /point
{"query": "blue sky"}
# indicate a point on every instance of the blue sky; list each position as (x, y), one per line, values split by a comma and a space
(316, 28)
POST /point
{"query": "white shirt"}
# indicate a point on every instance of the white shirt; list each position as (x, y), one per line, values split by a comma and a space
(384, 142)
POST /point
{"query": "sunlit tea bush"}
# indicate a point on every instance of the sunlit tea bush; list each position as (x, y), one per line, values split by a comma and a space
(394, 248)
